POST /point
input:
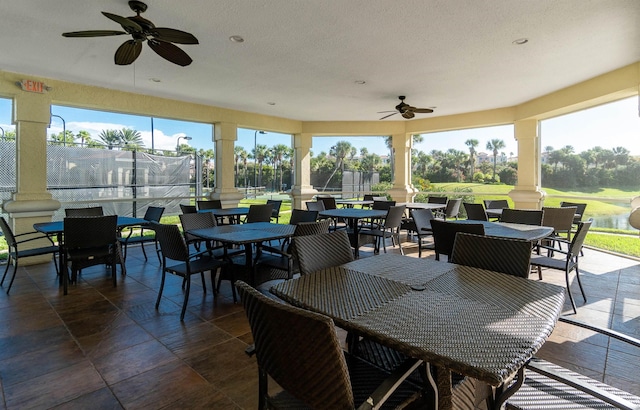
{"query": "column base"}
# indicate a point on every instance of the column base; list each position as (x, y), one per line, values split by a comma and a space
(528, 198)
(302, 194)
(229, 199)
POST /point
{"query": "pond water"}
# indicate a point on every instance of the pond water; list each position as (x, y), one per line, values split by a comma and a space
(620, 221)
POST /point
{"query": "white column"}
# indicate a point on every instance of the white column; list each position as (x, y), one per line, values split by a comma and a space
(224, 136)
(528, 194)
(402, 190)
(302, 191)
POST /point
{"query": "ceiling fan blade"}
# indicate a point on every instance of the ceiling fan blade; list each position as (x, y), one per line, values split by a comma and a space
(387, 116)
(423, 110)
(128, 52)
(170, 52)
(127, 24)
(173, 36)
(381, 112)
(93, 33)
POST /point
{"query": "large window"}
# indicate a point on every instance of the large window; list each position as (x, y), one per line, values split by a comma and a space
(126, 162)
(7, 151)
(263, 163)
(594, 156)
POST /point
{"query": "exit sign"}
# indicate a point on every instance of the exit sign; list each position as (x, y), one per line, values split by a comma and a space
(34, 86)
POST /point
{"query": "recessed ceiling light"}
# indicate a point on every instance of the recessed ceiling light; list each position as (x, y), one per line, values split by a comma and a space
(520, 41)
(155, 80)
(236, 39)
(271, 103)
(360, 82)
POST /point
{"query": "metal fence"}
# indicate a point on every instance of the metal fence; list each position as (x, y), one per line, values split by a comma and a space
(122, 182)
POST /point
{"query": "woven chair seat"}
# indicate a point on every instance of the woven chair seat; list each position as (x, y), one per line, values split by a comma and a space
(548, 262)
(25, 253)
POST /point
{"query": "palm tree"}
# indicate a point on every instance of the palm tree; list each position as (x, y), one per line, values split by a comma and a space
(621, 155)
(110, 138)
(495, 145)
(280, 153)
(239, 153)
(339, 152)
(259, 156)
(472, 144)
(457, 157)
(131, 139)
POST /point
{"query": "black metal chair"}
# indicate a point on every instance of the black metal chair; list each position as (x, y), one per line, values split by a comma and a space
(90, 241)
(286, 337)
(275, 212)
(174, 249)
(259, 213)
(422, 219)
(317, 252)
(15, 252)
(509, 256)
(91, 211)
(188, 209)
(522, 216)
(328, 201)
(570, 261)
(560, 219)
(580, 208)
(444, 235)
(210, 204)
(390, 228)
(475, 212)
(152, 214)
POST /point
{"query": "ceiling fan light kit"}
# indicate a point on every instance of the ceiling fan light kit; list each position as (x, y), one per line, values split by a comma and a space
(159, 39)
(407, 111)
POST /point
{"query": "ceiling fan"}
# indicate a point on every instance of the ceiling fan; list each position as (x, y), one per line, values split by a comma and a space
(406, 110)
(160, 39)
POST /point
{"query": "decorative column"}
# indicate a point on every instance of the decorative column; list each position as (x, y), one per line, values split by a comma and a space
(224, 136)
(402, 190)
(528, 193)
(302, 191)
(31, 203)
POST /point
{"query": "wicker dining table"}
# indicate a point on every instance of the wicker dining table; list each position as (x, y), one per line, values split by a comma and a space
(474, 322)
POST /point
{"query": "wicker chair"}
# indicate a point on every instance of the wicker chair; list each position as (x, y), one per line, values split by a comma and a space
(437, 200)
(188, 209)
(475, 212)
(444, 235)
(559, 388)
(422, 219)
(174, 248)
(569, 263)
(300, 215)
(275, 259)
(560, 219)
(91, 211)
(15, 251)
(580, 208)
(496, 203)
(211, 204)
(259, 213)
(452, 210)
(390, 228)
(275, 212)
(522, 216)
(329, 202)
(152, 214)
(317, 206)
(322, 251)
(200, 220)
(510, 256)
(286, 336)
(90, 241)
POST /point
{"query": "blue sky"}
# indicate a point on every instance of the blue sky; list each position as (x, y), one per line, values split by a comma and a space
(609, 126)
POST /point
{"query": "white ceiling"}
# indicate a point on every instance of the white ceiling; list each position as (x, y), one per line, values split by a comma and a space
(306, 56)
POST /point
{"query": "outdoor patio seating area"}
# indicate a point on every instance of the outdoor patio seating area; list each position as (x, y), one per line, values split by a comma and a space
(102, 346)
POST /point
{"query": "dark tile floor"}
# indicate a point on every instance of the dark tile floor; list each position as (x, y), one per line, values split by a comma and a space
(106, 347)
